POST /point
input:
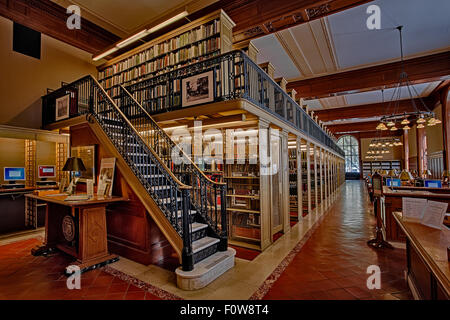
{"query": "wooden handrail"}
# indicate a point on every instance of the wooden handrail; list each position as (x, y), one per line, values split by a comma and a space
(180, 149)
(177, 181)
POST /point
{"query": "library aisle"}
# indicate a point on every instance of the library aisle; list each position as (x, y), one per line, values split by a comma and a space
(327, 260)
(333, 262)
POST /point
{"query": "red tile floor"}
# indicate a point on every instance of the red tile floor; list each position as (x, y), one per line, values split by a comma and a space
(331, 265)
(333, 262)
(25, 277)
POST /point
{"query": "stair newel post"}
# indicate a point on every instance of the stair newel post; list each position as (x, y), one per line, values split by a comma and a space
(223, 244)
(91, 96)
(187, 255)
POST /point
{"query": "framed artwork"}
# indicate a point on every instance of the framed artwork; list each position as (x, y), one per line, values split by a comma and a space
(197, 89)
(62, 107)
(87, 154)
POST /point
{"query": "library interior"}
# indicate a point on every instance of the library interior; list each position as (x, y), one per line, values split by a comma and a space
(224, 150)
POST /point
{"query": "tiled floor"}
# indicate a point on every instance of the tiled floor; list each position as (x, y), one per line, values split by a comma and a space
(25, 277)
(330, 265)
(333, 262)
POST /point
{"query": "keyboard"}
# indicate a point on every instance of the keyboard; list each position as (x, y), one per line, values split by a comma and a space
(77, 198)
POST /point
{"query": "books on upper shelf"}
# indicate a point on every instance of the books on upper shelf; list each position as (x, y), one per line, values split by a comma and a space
(200, 43)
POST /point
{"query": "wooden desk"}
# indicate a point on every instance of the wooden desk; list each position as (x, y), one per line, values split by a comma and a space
(393, 203)
(428, 266)
(77, 228)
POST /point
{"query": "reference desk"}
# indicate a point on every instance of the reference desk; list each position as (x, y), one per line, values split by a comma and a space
(428, 264)
(393, 202)
(77, 228)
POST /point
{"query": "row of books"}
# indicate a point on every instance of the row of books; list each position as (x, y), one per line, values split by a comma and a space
(193, 36)
(161, 65)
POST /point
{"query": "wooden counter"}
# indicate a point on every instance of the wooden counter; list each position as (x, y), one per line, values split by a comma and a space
(393, 202)
(428, 265)
(77, 228)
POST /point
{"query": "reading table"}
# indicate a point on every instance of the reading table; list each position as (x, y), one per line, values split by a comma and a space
(77, 228)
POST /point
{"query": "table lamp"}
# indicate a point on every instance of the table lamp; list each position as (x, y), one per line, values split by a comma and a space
(426, 174)
(406, 176)
(73, 165)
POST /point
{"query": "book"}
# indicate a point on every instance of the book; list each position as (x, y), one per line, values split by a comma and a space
(106, 177)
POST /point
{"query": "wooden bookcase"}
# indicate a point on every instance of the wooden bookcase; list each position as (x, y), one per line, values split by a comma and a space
(196, 41)
(293, 184)
(369, 167)
(243, 203)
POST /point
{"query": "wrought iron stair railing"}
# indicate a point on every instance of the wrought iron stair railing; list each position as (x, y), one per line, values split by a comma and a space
(171, 195)
(208, 197)
(234, 75)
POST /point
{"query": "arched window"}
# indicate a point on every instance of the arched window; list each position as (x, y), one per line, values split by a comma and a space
(351, 149)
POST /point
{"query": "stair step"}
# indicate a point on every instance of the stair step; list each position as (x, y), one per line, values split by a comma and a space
(197, 226)
(167, 200)
(203, 243)
(154, 176)
(158, 188)
(180, 212)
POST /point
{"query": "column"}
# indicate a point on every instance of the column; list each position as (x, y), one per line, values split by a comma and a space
(299, 179)
(446, 126)
(285, 180)
(421, 150)
(264, 192)
(406, 150)
(308, 165)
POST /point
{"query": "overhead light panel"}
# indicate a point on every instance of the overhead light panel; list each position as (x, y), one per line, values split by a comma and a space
(168, 21)
(133, 38)
(105, 54)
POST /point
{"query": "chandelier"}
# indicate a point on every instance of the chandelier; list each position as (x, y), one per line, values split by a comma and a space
(385, 142)
(398, 120)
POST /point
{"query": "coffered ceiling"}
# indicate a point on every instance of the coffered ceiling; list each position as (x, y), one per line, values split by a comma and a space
(342, 42)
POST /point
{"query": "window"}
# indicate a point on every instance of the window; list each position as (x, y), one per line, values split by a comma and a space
(351, 149)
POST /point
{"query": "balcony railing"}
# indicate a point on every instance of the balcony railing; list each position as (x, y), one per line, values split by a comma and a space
(234, 76)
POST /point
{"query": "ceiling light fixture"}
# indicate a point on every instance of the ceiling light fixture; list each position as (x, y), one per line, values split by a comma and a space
(168, 21)
(140, 35)
(404, 118)
(105, 54)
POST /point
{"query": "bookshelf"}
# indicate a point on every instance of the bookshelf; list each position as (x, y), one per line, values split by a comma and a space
(369, 167)
(198, 40)
(243, 203)
(312, 171)
(304, 166)
(293, 181)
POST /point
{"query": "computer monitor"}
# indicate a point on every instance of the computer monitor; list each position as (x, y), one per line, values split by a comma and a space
(390, 182)
(46, 171)
(433, 184)
(13, 174)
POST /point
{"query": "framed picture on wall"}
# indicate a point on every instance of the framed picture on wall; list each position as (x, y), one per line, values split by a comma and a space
(197, 89)
(87, 154)
(62, 107)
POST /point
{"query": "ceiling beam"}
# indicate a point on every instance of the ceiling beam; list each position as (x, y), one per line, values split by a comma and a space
(256, 18)
(49, 18)
(372, 110)
(353, 127)
(373, 134)
(427, 68)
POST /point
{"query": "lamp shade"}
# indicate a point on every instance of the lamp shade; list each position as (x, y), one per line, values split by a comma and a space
(392, 173)
(406, 176)
(74, 164)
